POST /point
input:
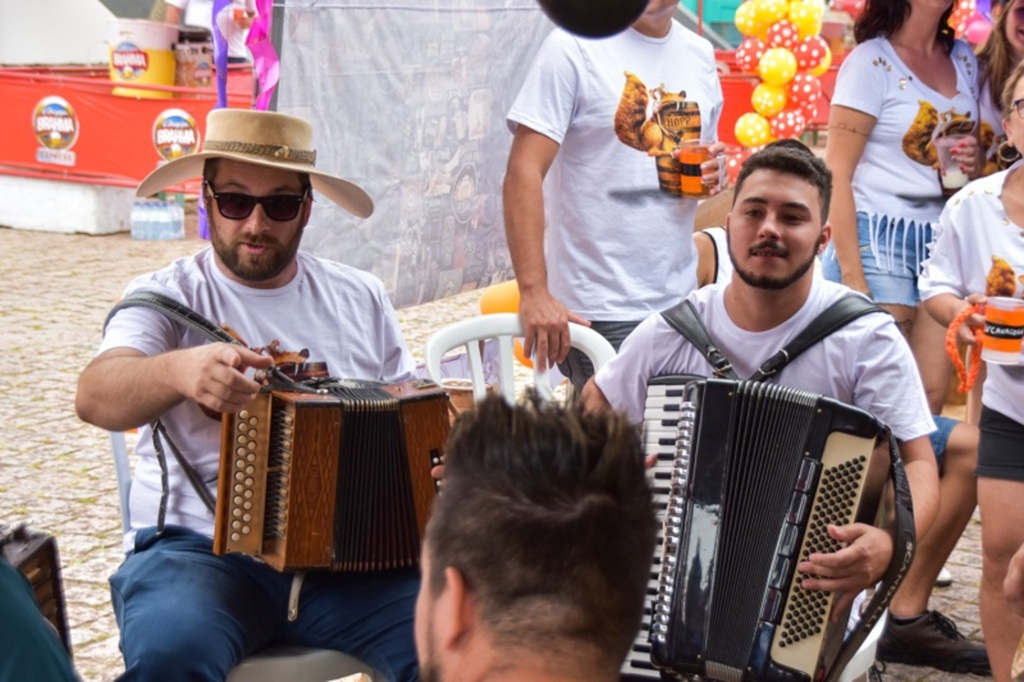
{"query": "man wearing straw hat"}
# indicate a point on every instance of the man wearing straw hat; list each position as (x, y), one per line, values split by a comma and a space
(183, 612)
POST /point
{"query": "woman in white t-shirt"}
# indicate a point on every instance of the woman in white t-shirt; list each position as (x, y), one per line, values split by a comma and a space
(1001, 51)
(907, 82)
(979, 252)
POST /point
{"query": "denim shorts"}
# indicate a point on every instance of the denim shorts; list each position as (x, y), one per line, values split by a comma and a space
(940, 436)
(891, 253)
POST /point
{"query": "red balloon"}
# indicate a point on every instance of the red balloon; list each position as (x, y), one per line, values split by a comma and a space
(783, 34)
(734, 158)
(810, 52)
(788, 123)
(748, 54)
(804, 89)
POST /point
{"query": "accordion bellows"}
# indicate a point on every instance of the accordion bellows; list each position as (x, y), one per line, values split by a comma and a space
(336, 479)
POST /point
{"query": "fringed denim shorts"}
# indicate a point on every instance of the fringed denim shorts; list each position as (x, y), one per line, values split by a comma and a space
(891, 252)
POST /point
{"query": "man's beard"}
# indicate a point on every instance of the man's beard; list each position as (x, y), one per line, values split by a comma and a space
(767, 282)
(261, 268)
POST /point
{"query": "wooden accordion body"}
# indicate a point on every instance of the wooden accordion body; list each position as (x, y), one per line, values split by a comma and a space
(748, 476)
(334, 479)
(34, 553)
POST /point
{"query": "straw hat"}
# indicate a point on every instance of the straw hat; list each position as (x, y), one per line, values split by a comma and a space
(263, 138)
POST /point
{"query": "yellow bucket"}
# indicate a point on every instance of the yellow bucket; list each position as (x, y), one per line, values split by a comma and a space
(142, 53)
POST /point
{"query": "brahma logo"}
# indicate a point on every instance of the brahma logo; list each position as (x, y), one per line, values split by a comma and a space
(56, 127)
(129, 60)
(175, 134)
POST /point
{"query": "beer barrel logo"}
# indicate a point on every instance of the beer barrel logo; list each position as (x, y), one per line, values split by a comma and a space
(175, 134)
(55, 123)
(129, 60)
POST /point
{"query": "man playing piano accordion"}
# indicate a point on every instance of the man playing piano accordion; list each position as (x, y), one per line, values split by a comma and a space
(183, 612)
(777, 228)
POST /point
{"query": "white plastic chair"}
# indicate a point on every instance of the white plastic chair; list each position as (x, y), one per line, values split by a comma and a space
(859, 667)
(504, 328)
(275, 663)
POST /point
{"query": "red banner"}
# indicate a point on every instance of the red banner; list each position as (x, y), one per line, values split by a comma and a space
(68, 123)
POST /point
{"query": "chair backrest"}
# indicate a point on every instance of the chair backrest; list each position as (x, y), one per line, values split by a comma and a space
(504, 328)
(119, 448)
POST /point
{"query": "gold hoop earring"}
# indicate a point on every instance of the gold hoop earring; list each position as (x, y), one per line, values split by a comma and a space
(1006, 155)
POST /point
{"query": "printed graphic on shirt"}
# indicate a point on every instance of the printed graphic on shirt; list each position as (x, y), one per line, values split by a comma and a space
(655, 121)
(928, 124)
(294, 364)
(1001, 279)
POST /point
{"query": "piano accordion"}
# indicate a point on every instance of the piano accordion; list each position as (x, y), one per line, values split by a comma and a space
(34, 553)
(337, 478)
(747, 477)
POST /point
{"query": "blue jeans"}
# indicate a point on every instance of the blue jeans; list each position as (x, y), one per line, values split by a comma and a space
(185, 614)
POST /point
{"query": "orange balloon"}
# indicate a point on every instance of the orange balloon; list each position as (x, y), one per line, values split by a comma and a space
(500, 298)
(520, 353)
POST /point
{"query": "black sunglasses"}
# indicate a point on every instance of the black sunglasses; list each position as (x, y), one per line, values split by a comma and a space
(277, 207)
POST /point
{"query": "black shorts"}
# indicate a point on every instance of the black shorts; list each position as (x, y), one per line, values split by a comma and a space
(1000, 454)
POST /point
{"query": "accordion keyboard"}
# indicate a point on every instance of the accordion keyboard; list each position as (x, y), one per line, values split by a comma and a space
(661, 428)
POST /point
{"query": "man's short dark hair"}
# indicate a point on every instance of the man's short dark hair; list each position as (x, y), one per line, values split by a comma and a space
(793, 157)
(547, 514)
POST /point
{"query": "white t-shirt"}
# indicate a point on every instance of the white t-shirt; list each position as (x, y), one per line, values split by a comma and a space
(866, 364)
(200, 13)
(977, 243)
(329, 313)
(873, 80)
(616, 246)
(992, 116)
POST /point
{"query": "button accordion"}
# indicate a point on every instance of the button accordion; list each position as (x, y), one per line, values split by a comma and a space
(747, 477)
(334, 478)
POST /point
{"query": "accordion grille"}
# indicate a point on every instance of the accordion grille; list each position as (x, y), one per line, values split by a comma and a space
(768, 428)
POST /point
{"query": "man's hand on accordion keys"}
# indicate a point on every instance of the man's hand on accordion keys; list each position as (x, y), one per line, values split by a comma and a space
(858, 565)
(214, 375)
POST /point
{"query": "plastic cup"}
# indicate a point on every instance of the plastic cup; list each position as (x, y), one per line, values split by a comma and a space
(1004, 330)
(692, 153)
(951, 178)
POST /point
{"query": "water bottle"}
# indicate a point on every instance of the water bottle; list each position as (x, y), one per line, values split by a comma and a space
(164, 227)
(135, 222)
(178, 214)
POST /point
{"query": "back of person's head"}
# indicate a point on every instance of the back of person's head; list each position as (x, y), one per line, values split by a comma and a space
(996, 54)
(792, 157)
(882, 18)
(547, 514)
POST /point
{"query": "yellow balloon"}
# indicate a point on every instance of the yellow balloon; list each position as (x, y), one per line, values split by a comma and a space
(778, 66)
(500, 298)
(752, 130)
(807, 17)
(823, 66)
(768, 12)
(769, 99)
(747, 22)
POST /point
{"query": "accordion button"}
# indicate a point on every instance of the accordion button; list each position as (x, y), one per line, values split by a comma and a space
(235, 537)
(249, 482)
(236, 524)
(246, 530)
(244, 414)
(237, 499)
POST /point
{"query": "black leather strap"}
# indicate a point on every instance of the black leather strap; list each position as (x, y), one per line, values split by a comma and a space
(836, 316)
(684, 319)
(173, 310)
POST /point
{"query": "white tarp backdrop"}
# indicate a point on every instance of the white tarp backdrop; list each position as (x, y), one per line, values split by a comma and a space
(408, 99)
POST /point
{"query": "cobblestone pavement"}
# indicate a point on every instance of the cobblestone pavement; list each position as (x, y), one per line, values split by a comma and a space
(57, 472)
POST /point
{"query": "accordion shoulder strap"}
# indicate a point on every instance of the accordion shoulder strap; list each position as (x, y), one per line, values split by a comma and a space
(173, 310)
(684, 319)
(835, 317)
(904, 544)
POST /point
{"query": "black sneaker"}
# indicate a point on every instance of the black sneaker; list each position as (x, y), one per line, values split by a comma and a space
(932, 640)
